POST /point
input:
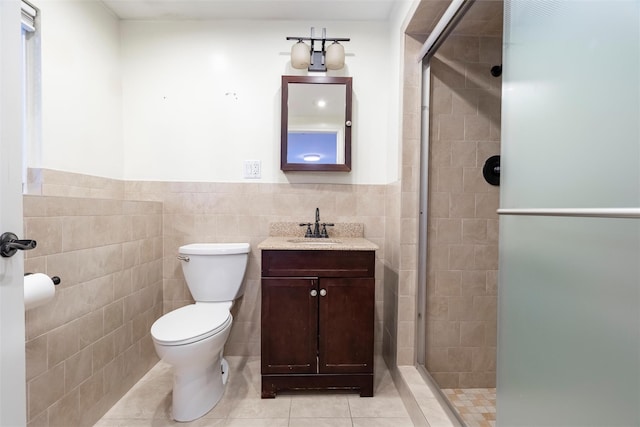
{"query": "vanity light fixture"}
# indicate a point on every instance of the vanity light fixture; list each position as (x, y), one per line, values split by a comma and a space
(311, 157)
(331, 57)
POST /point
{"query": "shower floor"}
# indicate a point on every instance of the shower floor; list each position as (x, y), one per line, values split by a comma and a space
(476, 406)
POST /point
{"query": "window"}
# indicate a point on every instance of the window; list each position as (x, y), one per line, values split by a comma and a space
(30, 90)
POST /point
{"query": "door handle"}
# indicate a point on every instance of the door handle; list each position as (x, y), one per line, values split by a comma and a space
(10, 244)
(313, 292)
(323, 292)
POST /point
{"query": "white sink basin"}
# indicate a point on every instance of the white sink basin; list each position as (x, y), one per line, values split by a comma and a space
(311, 241)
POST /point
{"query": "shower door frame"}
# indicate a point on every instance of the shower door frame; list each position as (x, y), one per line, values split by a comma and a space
(423, 229)
(447, 23)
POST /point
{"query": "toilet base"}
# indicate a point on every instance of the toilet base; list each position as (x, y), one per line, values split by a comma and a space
(197, 390)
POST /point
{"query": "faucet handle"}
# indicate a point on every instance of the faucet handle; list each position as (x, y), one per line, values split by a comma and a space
(324, 233)
(308, 233)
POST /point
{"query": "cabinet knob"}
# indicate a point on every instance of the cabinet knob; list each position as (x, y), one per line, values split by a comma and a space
(313, 292)
(323, 292)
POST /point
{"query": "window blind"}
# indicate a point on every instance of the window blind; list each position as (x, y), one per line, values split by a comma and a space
(29, 14)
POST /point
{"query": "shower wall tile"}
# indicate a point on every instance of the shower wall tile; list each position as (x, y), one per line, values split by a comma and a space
(476, 128)
(462, 205)
(74, 341)
(461, 257)
(443, 100)
(463, 153)
(449, 179)
(462, 221)
(451, 127)
(464, 102)
(472, 334)
(460, 308)
(474, 230)
(441, 151)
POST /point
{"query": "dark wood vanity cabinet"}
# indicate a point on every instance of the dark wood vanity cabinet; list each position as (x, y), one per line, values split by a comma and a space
(317, 320)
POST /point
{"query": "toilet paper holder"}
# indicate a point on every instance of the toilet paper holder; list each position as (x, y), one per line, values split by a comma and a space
(55, 279)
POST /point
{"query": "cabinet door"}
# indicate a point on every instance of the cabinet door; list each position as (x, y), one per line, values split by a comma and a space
(346, 325)
(289, 325)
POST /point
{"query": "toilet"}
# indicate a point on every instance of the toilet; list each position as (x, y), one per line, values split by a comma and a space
(192, 338)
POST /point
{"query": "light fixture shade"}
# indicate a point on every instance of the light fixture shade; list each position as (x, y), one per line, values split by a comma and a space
(300, 57)
(334, 57)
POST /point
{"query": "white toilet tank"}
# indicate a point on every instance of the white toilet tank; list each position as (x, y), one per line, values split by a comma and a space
(214, 271)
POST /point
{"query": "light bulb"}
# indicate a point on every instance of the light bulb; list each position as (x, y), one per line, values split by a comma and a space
(300, 55)
(334, 57)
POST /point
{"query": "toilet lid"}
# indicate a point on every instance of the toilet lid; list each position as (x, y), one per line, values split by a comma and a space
(190, 323)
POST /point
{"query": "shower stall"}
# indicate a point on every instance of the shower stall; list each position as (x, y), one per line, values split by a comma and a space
(459, 225)
(569, 235)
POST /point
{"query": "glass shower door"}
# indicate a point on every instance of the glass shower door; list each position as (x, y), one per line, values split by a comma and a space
(569, 294)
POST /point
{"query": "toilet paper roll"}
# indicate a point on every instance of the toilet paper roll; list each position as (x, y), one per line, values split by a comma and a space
(38, 289)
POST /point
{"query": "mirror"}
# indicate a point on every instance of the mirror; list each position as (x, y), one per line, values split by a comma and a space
(316, 124)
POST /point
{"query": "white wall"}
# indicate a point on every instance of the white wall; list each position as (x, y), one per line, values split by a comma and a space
(180, 124)
(81, 88)
(148, 100)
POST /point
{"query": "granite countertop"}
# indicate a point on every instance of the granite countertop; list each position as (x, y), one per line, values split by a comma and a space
(310, 244)
(342, 237)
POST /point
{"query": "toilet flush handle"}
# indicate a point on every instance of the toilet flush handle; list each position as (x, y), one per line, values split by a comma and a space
(183, 258)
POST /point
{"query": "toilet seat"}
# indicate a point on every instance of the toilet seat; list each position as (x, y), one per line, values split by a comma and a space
(191, 323)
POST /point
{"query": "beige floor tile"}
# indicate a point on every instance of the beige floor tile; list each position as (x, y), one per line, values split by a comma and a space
(382, 422)
(107, 423)
(257, 422)
(262, 408)
(134, 422)
(148, 403)
(323, 406)
(146, 400)
(320, 422)
(377, 407)
(223, 407)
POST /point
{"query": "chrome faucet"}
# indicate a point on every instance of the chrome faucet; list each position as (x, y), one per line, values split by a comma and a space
(316, 233)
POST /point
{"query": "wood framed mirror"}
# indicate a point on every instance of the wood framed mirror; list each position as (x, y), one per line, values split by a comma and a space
(316, 124)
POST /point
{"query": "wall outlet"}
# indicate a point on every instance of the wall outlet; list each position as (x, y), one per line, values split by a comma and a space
(252, 169)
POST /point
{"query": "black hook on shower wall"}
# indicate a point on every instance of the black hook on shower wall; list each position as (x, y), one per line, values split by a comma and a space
(496, 70)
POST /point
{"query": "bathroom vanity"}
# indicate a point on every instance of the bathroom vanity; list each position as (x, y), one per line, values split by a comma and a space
(318, 303)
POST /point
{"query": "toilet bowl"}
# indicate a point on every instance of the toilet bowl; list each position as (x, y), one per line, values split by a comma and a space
(192, 338)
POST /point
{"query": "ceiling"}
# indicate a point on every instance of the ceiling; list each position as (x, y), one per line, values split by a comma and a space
(483, 18)
(332, 10)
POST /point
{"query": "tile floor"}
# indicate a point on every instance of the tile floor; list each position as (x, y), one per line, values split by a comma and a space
(148, 403)
(476, 406)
